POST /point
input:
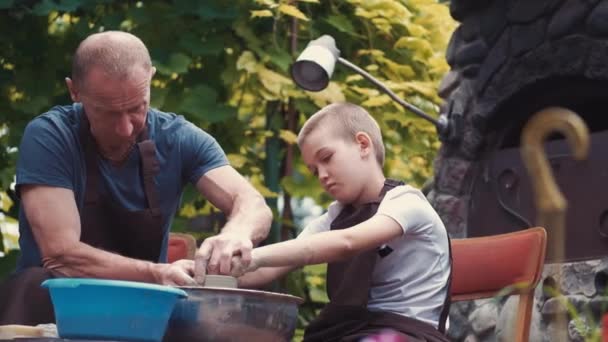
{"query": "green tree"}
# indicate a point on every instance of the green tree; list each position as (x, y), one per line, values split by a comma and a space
(225, 66)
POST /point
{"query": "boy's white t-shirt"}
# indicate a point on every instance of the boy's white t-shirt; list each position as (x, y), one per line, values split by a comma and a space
(412, 280)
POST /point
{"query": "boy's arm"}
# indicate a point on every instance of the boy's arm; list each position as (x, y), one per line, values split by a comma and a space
(328, 246)
(263, 276)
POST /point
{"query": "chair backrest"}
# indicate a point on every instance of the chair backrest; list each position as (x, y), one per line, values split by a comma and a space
(506, 264)
(181, 246)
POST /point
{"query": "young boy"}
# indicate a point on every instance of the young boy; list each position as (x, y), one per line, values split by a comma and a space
(387, 249)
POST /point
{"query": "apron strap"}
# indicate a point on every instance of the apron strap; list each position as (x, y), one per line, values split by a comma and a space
(150, 167)
(90, 154)
(349, 281)
(445, 311)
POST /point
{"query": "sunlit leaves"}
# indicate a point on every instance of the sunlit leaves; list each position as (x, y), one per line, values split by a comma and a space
(261, 14)
(225, 65)
(221, 64)
(288, 136)
(292, 11)
(236, 160)
(333, 93)
(377, 101)
(247, 62)
(274, 83)
(420, 47)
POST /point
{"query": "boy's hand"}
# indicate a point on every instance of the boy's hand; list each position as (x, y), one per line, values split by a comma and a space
(239, 268)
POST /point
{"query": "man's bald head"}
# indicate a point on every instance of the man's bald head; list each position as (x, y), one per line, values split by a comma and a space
(115, 53)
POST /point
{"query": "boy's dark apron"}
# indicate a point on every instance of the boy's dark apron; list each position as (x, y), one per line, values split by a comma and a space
(346, 317)
(104, 225)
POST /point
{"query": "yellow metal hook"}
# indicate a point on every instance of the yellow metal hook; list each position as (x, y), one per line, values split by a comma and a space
(550, 202)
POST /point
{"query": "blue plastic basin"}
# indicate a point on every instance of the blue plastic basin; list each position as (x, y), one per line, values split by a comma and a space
(111, 309)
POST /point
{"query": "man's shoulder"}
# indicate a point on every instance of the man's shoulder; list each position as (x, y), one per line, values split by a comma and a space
(167, 123)
(59, 118)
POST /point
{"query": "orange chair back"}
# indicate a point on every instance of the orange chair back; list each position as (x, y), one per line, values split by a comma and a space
(500, 264)
(181, 246)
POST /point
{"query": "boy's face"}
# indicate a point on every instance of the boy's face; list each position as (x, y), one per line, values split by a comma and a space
(339, 165)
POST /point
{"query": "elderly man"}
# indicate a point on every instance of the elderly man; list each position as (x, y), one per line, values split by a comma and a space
(100, 181)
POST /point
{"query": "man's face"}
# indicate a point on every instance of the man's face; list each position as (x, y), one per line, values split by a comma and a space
(116, 108)
(338, 164)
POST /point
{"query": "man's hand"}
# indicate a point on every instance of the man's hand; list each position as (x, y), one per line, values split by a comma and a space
(179, 273)
(215, 254)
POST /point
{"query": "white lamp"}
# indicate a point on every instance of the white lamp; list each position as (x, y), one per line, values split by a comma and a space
(315, 65)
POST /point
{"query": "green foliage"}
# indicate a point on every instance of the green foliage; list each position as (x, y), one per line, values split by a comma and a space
(220, 65)
(225, 66)
(587, 324)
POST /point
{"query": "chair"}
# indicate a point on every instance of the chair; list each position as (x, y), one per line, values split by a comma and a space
(506, 264)
(181, 246)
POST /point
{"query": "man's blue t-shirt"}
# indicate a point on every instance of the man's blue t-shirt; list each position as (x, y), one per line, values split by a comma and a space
(51, 154)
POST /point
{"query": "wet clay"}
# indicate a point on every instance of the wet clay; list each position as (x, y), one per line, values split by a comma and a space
(213, 280)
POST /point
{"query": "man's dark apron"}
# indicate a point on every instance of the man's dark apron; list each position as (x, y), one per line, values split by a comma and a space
(346, 317)
(104, 225)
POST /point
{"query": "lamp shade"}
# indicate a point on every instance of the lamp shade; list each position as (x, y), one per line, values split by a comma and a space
(315, 65)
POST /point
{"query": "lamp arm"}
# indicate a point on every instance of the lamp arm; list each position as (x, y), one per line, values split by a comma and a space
(441, 125)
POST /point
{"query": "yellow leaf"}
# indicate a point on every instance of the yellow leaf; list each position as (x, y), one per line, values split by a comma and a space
(267, 3)
(424, 88)
(315, 280)
(393, 11)
(310, 1)
(417, 45)
(188, 210)
(261, 188)
(416, 30)
(292, 11)
(331, 94)
(288, 136)
(5, 202)
(372, 52)
(274, 82)
(353, 78)
(376, 101)
(372, 67)
(363, 13)
(268, 96)
(369, 92)
(396, 71)
(295, 93)
(383, 25)
(261, 14)
(236, 160)
(247, 62)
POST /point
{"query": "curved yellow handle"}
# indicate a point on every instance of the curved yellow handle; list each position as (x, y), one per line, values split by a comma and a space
(550, 202)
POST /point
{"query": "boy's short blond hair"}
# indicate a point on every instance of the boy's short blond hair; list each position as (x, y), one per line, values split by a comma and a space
(345, 119)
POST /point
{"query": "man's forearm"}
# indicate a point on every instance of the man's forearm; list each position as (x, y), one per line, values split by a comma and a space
(251, 216)
(82, 260)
